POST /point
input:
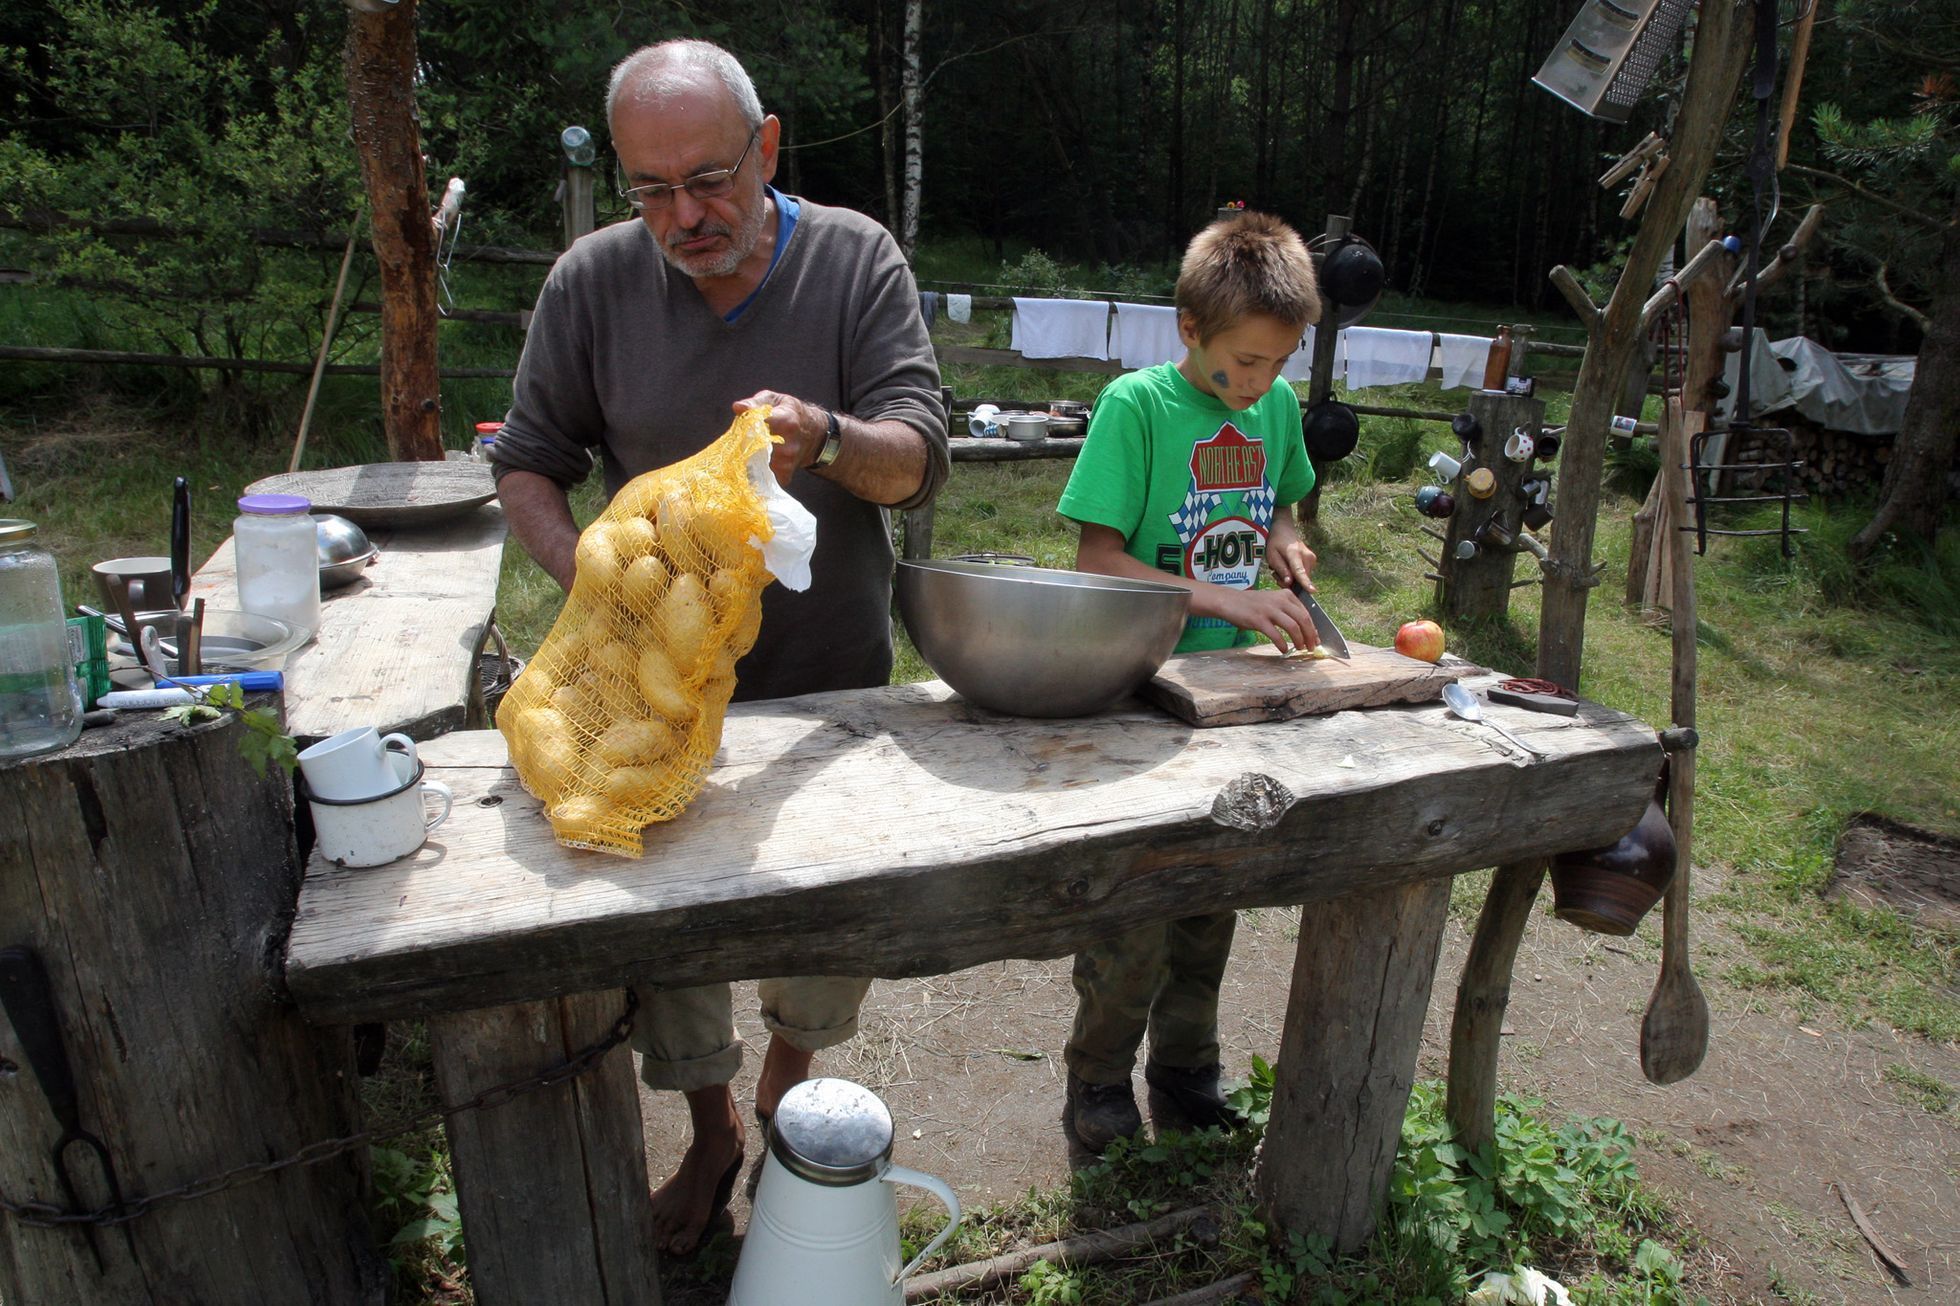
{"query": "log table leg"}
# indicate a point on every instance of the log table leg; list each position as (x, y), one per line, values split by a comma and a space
(1354, 1017)
(1481, 997)
(552, 1185)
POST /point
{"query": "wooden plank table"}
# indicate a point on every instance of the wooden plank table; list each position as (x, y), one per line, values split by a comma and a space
(902, 831)
(397, 649)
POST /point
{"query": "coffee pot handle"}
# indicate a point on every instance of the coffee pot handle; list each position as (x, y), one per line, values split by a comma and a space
(898, 1174)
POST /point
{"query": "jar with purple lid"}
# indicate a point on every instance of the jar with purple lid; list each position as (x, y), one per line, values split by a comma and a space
(278, 559)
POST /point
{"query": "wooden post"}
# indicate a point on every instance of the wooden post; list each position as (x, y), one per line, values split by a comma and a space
(1361, 976)
(381, 94)
(1478, 588)
(155, 875)
(564, 1223)
(1320, 384)
(1721, 46)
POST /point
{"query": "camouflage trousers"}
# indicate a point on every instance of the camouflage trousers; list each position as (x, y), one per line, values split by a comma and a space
(1162, 978)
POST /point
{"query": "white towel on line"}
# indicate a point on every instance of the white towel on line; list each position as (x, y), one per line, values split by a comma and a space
(1462, 360)
(1145, 335)
(959, 307)
(1379, 356)
(1300, 366)
(1061, 328)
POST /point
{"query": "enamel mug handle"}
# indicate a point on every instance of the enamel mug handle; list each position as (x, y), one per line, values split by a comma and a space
(400, 744)
(898, 1174)
(448, 801)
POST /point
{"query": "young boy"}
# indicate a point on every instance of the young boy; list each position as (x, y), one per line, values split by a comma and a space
(1188, 476)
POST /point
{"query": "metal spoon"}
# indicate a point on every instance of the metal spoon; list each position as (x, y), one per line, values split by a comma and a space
(1461, 702)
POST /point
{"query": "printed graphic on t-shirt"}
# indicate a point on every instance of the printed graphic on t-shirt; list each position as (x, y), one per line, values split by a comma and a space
(1225, 550)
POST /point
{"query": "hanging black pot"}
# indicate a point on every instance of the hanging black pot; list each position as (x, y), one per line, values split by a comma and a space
(1331, 430)
(1352, 272)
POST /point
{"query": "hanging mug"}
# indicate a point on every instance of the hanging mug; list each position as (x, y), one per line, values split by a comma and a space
(1444, 465)
(1520, 446)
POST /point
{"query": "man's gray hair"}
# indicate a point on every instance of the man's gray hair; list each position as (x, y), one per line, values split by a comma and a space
(655, 73)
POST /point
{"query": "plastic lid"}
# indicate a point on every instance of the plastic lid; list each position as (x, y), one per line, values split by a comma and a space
(14, 530)
(274, 505)
(489, 428)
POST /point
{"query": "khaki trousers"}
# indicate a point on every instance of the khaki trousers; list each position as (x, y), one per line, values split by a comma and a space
(1162, 978)
(686, 1037)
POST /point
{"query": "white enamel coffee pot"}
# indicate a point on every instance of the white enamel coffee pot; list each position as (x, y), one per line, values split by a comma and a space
(824, 1227)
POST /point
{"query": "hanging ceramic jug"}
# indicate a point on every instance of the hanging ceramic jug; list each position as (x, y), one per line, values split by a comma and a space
(1607, 890)
(824, 1227)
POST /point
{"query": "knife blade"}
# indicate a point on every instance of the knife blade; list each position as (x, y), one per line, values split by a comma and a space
(1323, 625)
(180, 540)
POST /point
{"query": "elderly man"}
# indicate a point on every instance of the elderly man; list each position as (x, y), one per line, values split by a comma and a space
(648, 336)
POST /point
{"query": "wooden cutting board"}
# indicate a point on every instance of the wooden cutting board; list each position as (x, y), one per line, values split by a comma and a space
(1231, 687)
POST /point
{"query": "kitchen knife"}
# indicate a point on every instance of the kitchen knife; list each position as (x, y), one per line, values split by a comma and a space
(1323, 625)
(180, 540)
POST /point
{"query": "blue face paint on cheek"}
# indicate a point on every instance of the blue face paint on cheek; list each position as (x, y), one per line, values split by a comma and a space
(1220, 380)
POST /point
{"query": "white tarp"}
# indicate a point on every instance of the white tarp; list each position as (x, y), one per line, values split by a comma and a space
(1861, 393)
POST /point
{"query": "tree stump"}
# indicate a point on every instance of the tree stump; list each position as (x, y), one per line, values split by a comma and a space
(155, 875)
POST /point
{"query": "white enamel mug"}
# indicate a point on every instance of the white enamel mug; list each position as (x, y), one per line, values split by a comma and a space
(376, 831)
(1444, 465)
(354, 764)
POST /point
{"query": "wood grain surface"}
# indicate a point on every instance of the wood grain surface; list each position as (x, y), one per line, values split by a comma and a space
(396, 649)
(1233, 687)
(903, 831)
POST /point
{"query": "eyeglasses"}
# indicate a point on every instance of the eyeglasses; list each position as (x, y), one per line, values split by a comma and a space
(702, 186)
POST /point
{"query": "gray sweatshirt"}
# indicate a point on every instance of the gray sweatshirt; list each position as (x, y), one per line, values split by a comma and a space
(624, 356)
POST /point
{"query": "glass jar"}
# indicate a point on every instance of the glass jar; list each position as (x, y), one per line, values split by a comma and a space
(278, 559)
(486, 441)
(40, 705)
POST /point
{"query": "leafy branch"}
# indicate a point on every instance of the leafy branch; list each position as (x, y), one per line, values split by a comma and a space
(263, 740)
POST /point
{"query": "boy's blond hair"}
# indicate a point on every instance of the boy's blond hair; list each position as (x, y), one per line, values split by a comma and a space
(1245, 264)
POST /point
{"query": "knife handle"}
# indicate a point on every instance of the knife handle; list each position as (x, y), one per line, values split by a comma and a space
(28, 996)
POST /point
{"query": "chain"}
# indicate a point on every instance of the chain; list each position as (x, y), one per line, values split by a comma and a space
(46, 1215)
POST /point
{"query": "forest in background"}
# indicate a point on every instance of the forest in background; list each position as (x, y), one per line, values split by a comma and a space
(1103, 131)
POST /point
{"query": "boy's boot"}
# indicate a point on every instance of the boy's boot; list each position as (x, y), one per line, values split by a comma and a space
(1191, 1097)
(1096, 1115)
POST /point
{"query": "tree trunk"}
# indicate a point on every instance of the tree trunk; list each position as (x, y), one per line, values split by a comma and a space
(915, 130)
(1913, 496)
(381, 94)
(154, 874)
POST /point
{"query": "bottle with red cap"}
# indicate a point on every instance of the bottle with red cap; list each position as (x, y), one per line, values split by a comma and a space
(486, 441)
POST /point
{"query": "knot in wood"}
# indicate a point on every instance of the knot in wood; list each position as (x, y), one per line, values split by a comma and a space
(1253, 802)
(1078, 888)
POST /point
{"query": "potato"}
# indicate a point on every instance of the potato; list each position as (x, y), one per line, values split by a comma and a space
(634, 538)
(582, 819)
(617, 660)
(676, 507)
(573, 701)
(660, 686)
(643, 582)
(629, 785)
(684, 620)
(635, 742)
(748, 624)
(598, 561)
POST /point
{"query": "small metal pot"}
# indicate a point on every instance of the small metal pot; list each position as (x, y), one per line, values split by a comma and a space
(345, 550)
(1025, 426)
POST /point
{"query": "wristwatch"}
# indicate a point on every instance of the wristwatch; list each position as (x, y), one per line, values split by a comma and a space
(833, 440)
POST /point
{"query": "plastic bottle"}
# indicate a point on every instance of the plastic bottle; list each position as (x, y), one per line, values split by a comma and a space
(1498, 364)
(40, 705)
(486, 441)
(278, 559)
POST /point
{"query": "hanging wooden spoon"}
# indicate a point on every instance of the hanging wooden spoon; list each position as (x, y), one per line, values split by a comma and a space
(1674, 1032)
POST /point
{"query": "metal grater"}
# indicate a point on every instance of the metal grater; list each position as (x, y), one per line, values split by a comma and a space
(1610, 52)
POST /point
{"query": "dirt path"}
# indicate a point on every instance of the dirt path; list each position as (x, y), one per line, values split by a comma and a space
(1747, 1148)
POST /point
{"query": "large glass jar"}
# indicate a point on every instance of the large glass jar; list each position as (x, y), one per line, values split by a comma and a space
(40, 706)
(278, 559)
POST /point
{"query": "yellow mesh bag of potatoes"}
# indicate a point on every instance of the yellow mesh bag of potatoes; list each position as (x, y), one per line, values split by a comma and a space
(614, 723)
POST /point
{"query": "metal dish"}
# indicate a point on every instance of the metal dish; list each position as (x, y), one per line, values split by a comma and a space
(345, 551)
(231, 641)
(1035, 641)
(389, 494)
(1025, 426)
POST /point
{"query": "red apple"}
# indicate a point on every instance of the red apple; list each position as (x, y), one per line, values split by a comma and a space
(1420, 639)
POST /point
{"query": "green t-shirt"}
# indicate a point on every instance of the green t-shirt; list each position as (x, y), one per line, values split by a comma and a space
(1189, 484)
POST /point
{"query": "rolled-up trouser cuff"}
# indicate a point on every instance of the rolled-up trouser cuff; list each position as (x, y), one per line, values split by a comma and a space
(812, 1012)
(686, 1038)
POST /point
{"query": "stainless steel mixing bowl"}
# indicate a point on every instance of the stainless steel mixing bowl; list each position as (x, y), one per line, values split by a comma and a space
(345, 550)
(1035, 641)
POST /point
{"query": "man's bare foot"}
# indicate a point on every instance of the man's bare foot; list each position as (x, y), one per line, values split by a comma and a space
(686, 1207)
(784, 1066)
